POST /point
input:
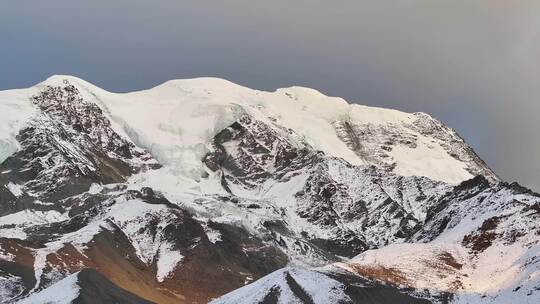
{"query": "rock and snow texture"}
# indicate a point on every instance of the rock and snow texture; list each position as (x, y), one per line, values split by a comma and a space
(16, 109)
(329, 285)
(480, 246)
(195, 188)
(486, 251)
(175, 121)
(61, 292)
(83, 287)
(290, 285)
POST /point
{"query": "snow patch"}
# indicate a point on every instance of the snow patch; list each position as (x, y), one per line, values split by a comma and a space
(15, 189)
(13, 225)
(168, 260)
(62, 292)
(429, 159)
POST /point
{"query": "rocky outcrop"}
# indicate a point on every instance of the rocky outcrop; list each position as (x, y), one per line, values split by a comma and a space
(69, 146)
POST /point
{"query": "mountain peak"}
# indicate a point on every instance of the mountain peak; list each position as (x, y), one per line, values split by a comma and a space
(195, 188)
(185, 113)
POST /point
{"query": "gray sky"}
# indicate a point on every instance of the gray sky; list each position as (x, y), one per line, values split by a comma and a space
(475, 64)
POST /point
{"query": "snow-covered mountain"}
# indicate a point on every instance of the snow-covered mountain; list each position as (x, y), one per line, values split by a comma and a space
(197, 188)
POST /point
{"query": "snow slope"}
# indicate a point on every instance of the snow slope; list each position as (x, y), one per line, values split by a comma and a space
(62, 292)
(15, 109)
(283, 283)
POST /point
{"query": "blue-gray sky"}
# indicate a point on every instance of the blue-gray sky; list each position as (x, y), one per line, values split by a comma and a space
(475, 64)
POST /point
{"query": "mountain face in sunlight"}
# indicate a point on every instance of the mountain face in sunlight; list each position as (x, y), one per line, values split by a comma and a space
(201, 190)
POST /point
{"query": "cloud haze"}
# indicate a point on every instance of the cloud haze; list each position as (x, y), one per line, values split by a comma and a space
(474, 64)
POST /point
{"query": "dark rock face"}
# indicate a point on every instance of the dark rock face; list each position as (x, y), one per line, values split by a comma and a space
(8, 201)
(272, 297)
(97, 289)
(67, 148)
(19, 272)
(249, 152)
(361, 290)
(297, 290)
(483, 239)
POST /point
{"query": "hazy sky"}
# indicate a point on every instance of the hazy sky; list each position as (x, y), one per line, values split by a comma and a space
(475, 64)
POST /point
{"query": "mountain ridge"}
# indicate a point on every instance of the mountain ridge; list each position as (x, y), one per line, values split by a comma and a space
(232, 100)
(189, 190)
